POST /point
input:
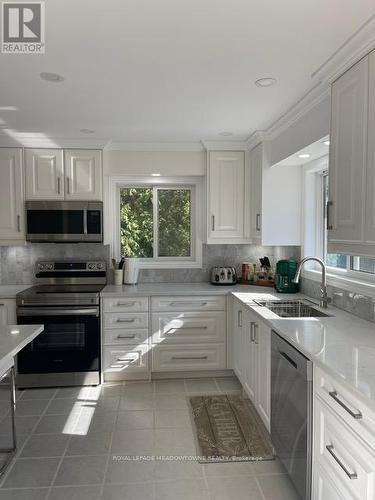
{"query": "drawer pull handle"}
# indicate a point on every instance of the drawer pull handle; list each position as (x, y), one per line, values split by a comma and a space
(335, 396)
(201, 304)
(185, 328)
(330, 449)
(126, 304)
(119, 320)
(126, 359)
(126, 336)
(188, 357)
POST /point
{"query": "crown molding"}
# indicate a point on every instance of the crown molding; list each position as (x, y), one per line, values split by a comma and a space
(25, 141)
(224, 145)
(153, 146)
(254, 139)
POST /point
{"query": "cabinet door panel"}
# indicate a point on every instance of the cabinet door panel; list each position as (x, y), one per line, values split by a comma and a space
(44, 174)
(370, 172)
(263, 340)
(256, 165)
(83, 175)
(226, 194)
(11, 195)
(348, 155)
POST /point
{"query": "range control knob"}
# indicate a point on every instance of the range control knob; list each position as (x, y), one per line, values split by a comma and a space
(99, 265)
(49, 266)
(91, 265)
(41, 267)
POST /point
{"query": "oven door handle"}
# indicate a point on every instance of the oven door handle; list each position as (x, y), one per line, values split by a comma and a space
(94, 311)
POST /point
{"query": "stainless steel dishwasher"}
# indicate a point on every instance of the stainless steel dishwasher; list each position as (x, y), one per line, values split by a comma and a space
(291, 412)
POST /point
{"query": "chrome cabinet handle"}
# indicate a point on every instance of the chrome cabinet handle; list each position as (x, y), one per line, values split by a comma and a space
(329, 225)
(258, 222)
(351, 475)
(200, 304)
(213, 223)
(126, 359)
(58, 185)
(19, 223)
(252, 331)
(2, 305)
(126, 336)
(185, 328)
(119, 320)
(68, 185)
(188, 357)
(239, 318)
(256, 331)
(126, 304)
(357, 415)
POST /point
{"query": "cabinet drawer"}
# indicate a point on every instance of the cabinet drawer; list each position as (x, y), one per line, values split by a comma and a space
(342, 454)
(324, 488)
(186, 303)
(188, 327)
(114, 336)
(359, 417)
(126, 304)
(188, 357)
(125, 359)
(125, 320)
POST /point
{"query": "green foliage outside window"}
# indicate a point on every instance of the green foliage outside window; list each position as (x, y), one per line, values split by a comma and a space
(137, 224)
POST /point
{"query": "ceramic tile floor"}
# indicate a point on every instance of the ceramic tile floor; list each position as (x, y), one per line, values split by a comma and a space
(72, 439)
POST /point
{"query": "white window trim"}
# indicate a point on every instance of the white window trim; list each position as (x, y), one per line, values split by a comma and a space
(112, 218)
(346, 279)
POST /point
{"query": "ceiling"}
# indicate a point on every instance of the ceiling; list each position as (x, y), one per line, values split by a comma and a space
(171, 70)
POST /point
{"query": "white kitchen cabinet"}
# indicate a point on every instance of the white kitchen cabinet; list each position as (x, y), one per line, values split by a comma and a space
(225, 196)
(348, 157)
(11, 196)
(8, 312)
(370, 167)
(44, 174)
(252, 358)
(256, 169)
(343, 443)
(83, 175)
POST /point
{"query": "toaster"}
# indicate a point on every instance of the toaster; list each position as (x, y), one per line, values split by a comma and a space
(223, 276)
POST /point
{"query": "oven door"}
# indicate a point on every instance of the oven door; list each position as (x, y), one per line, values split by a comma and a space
(70, 341)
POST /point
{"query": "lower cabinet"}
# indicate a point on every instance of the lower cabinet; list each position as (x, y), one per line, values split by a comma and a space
(8, 312)
(252, 358)
(188, 357)
(343, 453)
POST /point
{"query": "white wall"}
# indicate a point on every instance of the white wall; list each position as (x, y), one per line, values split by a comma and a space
(145, 163)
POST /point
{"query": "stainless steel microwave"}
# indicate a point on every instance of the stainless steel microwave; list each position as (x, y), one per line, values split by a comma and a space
(64, 221)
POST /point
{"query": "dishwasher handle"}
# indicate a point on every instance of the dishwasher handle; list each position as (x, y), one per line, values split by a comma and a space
(289, 359)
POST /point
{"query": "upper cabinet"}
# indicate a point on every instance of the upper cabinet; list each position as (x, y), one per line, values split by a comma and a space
(83, 175)
(256, 169)
(53, 174)
(11, 195)
(44, 174)
(225, 196)
(351, 207)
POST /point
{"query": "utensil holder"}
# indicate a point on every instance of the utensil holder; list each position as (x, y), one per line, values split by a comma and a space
(118, 276)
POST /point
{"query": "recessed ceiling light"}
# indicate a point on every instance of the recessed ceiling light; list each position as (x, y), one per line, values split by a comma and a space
(304, 156)
(51, 77)
(226, 134)
(87, 131)
(265, 82)
(156, 175)
(326, 143)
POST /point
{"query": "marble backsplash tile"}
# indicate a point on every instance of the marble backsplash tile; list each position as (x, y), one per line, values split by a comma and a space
(17, 263)
(354, 303)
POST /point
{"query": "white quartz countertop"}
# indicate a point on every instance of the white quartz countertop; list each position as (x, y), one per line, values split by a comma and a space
(145, 289)
(12, 340)
(343, 345)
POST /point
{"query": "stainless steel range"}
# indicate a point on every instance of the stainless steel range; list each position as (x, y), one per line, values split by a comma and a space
(67, 301)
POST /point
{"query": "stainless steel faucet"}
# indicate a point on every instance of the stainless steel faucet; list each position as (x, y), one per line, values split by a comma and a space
(324, 299)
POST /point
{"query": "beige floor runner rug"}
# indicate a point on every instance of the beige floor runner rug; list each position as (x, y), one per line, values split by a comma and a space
(228, 429)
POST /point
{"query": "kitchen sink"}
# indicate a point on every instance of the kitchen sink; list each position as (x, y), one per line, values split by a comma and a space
(292, 308)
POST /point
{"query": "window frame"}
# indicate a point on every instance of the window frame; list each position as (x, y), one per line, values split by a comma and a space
(314, 215)
(192, 183)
